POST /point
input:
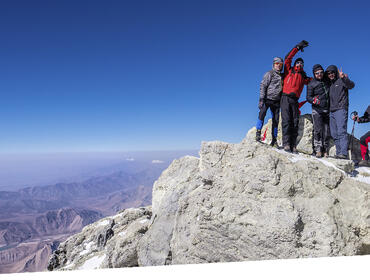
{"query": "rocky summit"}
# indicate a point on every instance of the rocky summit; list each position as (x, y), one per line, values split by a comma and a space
(236, 202)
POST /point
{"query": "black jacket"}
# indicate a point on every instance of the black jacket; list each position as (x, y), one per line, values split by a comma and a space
(319, 89)
(338, 91)
(366, 117)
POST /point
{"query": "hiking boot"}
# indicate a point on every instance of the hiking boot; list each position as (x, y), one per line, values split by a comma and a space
(258, 135)
(287, 148)
(326, 154)
(341, 157)
(274, 143)
(294, 150)
(364, 163)
(318, 154)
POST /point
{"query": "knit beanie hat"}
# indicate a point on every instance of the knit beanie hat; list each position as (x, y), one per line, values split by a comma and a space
(298, 59)
(278, 60)
(317, 67)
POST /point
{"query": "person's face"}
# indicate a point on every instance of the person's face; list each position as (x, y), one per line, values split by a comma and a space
(299, 64)
(278, 66)
(319, 74)
(331, 75)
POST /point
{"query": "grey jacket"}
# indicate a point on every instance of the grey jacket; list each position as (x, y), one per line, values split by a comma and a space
(271, 86)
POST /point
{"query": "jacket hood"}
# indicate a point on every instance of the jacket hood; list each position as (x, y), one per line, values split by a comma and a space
(332, 68)
(315, 68)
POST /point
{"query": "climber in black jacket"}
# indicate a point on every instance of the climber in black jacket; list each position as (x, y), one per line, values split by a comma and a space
(318, 96)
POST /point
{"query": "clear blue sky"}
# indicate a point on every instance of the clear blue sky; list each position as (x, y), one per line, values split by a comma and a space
(159, 75)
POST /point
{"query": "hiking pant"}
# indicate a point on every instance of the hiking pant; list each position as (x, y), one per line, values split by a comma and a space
(289, 120)
(338, 130)
(364, 142)
(274, 106)
(321, 132)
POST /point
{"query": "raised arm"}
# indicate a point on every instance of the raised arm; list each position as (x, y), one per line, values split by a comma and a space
(289, 58)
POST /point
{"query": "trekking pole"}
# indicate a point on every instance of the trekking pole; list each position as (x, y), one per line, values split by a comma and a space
(353, 114)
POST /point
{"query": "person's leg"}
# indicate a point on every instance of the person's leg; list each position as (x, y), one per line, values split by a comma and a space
(333, 130)
(317, 131)
(275, 110)
(294, 123)
(342, 131)
(285, 117)
(325, 133)
(260, 121)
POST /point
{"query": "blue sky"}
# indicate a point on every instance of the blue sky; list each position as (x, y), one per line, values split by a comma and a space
(159, 75)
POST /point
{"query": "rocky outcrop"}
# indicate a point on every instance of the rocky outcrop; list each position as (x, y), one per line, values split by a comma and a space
(236, 202)
(110, 242)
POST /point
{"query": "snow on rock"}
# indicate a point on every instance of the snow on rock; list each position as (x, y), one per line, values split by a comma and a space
(104, 223)
(93, 263)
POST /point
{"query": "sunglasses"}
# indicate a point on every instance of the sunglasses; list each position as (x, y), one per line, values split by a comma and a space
(319, 72)
(299, 63)
(330, 73)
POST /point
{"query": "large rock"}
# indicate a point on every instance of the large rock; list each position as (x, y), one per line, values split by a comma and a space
(236, 202)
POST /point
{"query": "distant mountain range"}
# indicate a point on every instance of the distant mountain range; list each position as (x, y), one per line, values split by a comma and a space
(34, 220)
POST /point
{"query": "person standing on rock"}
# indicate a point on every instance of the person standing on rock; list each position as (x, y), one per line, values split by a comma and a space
(338, 93)
(365, 139)
(270, 94)
(294, 80)
(318, 96)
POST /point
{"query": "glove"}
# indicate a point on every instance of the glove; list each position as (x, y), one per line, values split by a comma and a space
(302, 45)
(261, 103)
(316, 100)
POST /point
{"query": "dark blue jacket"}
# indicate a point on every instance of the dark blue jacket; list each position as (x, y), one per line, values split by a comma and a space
(338, 91)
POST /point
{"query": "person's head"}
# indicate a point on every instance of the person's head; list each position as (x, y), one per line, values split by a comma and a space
(298, 64)
(332, 72)
(318, 72)
(278, 63)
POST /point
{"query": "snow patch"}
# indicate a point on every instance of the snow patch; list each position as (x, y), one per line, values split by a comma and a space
(103, 223)
(330, 164)
(117, 216)
(292, 157)
(122, 233)
(68, 265)
(93, 263)
(143, 221)
(363, 172)
(87, 248)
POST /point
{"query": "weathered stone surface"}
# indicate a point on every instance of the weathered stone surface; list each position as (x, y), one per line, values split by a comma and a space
(254, 202)
(110, 242)
(236, 202)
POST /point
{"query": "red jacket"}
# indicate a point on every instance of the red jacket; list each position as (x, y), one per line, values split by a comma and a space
(294, 79)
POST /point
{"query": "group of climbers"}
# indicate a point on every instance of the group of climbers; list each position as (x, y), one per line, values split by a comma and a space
(327, 91)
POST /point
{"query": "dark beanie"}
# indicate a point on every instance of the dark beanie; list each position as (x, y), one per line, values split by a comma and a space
(317, 67)
(298, 59)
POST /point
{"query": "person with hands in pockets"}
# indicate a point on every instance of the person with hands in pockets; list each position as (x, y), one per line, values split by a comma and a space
(270, 94)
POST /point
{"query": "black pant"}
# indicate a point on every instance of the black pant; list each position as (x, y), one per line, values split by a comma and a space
(274, 106)
(321, 132)
(289, 120)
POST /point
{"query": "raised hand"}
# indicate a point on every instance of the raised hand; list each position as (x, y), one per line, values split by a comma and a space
(301, 45)
(341, 74)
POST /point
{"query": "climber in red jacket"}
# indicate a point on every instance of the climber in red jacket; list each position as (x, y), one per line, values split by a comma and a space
(294, 80)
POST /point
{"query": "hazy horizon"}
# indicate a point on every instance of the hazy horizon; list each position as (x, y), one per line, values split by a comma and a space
(34, 169)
